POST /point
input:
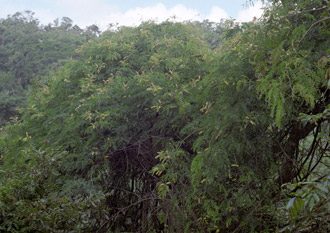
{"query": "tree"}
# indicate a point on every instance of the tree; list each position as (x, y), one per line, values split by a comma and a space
(122, 99)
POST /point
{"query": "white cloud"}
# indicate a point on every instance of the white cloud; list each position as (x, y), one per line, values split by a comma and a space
(85, 12)
(158, 13)
(249, 13)
(217, 14)
(102, 13)
(99, 12)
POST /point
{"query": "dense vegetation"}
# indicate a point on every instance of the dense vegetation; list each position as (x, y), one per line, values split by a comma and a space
(29, 51)
(177, 127)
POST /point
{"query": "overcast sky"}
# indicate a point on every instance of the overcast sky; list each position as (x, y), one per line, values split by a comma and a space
(132, 12)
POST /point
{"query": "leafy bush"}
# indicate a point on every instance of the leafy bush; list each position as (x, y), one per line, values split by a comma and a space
(307, 209)
(31, 201)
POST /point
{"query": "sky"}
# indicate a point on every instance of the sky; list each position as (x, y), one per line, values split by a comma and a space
(132, 12)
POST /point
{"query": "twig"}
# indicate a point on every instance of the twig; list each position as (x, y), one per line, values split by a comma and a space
(124, 209)
(258, 205)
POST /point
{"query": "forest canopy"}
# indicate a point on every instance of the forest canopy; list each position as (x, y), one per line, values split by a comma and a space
(29, 51)
(169, 127)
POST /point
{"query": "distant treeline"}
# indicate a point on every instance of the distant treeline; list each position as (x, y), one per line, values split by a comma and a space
(29, 50)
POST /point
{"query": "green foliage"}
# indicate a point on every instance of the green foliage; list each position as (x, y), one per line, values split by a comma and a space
(230, 151)
(113, 110)
(11, 97)
(178, 128)
(307, 209)
(28, 51)
(291, 63)
(30, 200)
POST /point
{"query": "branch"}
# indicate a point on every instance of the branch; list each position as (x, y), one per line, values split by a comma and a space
(306, 11)
(310, 28)
(312, 169)
(311, 149)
